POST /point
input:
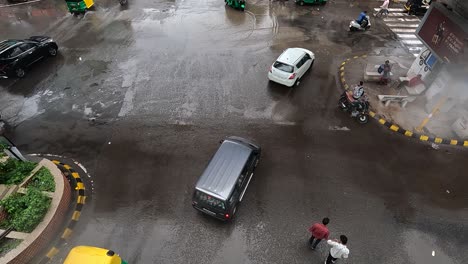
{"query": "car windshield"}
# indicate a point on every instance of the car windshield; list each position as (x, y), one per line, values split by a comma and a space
(210, 200)
(283, 67)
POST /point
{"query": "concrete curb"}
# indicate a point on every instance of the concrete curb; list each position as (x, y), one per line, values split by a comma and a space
(395, 127)
(80, 201)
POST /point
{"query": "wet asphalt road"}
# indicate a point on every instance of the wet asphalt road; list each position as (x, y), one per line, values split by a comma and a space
(165, 81)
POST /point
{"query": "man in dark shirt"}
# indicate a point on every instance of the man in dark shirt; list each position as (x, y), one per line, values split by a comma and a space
(318, 232)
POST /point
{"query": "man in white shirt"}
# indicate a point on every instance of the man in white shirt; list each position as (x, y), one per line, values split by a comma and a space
(338, 250)
(383, 8)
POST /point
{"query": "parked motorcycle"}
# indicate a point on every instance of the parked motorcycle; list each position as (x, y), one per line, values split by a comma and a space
(123, 2)
(360, 110)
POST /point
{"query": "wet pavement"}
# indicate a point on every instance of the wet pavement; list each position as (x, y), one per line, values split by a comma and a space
(164, 81)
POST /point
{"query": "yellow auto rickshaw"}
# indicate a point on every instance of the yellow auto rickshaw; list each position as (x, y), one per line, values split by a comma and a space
(92, 255)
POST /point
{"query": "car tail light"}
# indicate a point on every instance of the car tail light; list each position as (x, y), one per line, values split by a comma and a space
(271, 69)
(292, 76)
(226, 216)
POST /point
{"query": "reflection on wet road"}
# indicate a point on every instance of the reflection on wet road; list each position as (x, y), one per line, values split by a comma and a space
(166, 80)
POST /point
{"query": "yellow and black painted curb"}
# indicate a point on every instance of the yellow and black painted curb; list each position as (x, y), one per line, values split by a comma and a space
(80, 201)
(395, 127)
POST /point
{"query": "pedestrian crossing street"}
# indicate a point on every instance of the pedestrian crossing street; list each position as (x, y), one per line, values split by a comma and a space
(404, 26)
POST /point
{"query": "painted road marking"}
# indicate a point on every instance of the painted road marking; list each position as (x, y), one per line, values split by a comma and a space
(76, 214)
(412, 42)
(401, 19)
(397, 14)
(406, 36)
(399, 25)
(391, 9)
(403, 30)
(404, 26)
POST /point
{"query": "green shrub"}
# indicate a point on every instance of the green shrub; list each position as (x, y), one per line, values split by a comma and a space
(3, 146)
(25, 211)
(43, 180)
(8, 244)
(14, 171)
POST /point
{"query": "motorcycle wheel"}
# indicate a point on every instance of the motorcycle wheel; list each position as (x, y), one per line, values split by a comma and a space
(363, 118)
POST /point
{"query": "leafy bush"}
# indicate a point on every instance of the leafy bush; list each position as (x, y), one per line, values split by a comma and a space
(14, 171)
(25, 211)
(43, 180)
(8, 244)
(3, 146)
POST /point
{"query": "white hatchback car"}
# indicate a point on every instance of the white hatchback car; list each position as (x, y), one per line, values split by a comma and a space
(291, 65)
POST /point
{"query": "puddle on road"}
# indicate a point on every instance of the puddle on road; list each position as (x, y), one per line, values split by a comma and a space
(29, 109)
(234, 249)
(422, 248)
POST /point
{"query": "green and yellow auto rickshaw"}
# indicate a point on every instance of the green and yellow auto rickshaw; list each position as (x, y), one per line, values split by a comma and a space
(79, 6)
(238, 4)
(302, 2)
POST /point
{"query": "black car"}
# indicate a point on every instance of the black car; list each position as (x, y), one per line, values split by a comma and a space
(17, 55)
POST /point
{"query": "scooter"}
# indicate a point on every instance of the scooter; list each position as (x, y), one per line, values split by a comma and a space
(360, 112)
(417, 7)
(355, 26)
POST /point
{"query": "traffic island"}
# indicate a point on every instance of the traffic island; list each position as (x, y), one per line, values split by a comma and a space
(399, 109)
(50, 199)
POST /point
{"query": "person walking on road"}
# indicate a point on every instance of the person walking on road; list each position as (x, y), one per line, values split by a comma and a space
(383, 9)
(385, 71)
(318, 232)
(338, 250)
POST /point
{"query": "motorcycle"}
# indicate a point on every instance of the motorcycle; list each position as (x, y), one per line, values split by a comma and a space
(123, 2)
(355, 26)
(360, 111)
(417, 7)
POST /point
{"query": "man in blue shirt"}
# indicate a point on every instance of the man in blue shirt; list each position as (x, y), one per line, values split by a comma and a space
(361, 17)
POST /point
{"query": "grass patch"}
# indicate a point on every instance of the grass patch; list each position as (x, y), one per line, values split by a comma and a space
(8, 244)
(25, 211)
(14, 171)
(43, 180)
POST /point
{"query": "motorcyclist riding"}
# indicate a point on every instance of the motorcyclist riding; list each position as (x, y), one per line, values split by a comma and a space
(356, 95)
(361, 17)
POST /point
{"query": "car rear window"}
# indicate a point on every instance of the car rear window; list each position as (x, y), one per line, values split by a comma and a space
(283, 67)
(209, 200)
(7, 44)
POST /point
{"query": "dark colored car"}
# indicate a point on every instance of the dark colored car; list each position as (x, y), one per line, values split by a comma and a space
(16, 56)
(222, 185)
